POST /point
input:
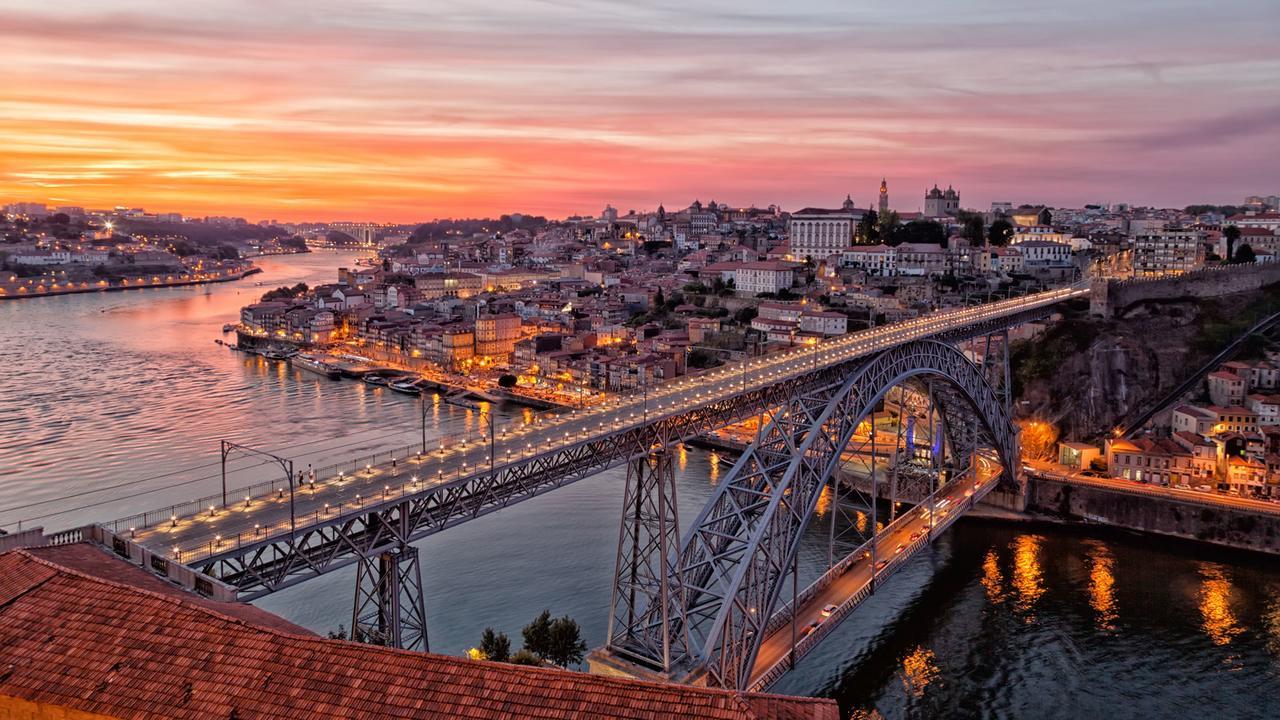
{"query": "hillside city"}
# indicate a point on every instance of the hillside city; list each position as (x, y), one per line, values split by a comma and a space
(568, 312)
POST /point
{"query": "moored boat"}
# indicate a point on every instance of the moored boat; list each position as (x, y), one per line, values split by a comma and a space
(315, 365)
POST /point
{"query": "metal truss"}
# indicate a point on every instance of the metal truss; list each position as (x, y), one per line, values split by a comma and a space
(279, 561)
(744, 541)
(648, 540)
(257, 568)
(389, 608)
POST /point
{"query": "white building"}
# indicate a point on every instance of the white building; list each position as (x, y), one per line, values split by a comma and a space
(818, 233)
(824, 322)
(879, 260)
(752, 278)
(922, 259)
(1044, 252)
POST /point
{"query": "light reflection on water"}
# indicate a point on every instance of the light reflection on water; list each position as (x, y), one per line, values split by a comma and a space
(1220, 622)
(1102, 582)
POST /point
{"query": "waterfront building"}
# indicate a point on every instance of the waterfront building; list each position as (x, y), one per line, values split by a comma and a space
(496, 335)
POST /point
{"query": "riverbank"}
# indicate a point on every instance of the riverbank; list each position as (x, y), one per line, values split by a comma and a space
(19, 291)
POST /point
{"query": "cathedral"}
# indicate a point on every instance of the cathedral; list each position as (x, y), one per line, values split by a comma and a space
(939, 204)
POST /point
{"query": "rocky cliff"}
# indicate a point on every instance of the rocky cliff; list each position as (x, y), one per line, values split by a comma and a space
(1086, 374)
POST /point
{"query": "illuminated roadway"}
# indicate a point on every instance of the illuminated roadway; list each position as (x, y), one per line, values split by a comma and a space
(201, 529)
(851, 580)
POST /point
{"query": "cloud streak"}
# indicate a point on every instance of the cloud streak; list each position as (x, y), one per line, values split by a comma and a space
(410, 110)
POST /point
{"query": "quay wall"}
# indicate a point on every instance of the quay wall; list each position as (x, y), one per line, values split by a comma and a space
(19, 291)
(1218, 525)
(1110, 298)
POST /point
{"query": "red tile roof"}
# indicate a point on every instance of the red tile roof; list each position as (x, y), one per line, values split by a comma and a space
(84, 630)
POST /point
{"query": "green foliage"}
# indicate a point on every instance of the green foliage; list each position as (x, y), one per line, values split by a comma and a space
(1227, 210)
(507, 381)
(496, 646)
(745, 315)
(868, 230)
(918, 231)
(695, 288)
(565, 644)
(285, 293)
(888, 221)
(702, 359)
(339, 634)
(974, 228)
(537, 634)
(1245, 255)
(1000, 232)
(524, 657)
(1232, 234)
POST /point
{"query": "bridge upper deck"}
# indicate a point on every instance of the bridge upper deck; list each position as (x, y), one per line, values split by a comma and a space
(205, 531)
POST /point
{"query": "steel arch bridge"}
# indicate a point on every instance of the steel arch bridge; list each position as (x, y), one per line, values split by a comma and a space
(724, 583)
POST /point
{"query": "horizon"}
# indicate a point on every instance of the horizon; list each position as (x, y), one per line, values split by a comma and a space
(396, 112)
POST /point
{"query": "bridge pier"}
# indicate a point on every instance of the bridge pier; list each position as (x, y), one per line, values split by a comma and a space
(389, 608)
(648, 542)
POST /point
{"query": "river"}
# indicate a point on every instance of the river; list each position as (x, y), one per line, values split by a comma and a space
(109, 396)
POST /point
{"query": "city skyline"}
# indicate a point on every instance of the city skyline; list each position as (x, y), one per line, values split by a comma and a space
(399, 112)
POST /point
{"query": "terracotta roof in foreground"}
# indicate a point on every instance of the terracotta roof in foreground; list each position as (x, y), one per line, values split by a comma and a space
(81, 629)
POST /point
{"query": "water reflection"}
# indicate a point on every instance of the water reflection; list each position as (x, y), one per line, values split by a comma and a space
(1271, 622)
(1028, 577)
(1102, 581)
(992, 578)
(1219, 621)
(824, 501)
(918, 670)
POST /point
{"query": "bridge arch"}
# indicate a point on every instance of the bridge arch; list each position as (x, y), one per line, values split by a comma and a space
(728, 576)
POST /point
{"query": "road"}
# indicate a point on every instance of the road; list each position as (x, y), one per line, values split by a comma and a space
(1057, 472)
(202, 528)
(890, 550)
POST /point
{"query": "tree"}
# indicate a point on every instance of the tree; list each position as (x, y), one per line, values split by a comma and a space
(524, 657)
(1245, 255)
(59, 219)
(565, 643)
(974, 229)
(537, 634)
(658, 299)
(339, 634)
(507, 381)
(888, 221)
(1000, 232)
(496, 646)
(918, 231)
(1232, 234)
(868, 230)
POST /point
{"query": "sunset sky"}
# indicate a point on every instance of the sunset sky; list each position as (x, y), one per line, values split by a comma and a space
(405, 110)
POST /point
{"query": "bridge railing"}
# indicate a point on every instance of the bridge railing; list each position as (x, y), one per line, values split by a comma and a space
(785, 663)
(783, 614)
(277, 485)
